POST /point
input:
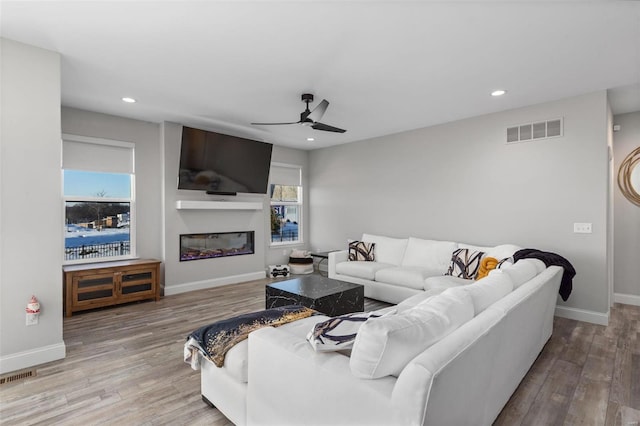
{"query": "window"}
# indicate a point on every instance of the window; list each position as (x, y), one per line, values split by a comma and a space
(286, 204)
(98, 192)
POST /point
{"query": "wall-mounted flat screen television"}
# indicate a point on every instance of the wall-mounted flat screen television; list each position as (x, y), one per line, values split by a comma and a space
(223, 164)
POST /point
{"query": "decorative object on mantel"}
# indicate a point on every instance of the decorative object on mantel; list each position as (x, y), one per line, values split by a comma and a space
(629, 177)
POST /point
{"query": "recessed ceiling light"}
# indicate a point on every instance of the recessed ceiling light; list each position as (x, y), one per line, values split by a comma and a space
(128, 100)
(310, 139)
(498, 92)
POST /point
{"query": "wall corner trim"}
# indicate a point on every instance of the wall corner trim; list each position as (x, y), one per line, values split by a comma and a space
(626, 299)
(32, 357)
(217, 282)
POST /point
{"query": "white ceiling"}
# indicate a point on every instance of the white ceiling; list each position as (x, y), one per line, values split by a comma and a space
(385, 67)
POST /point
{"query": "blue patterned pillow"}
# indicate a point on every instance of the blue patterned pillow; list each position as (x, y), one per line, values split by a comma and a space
(465, 263)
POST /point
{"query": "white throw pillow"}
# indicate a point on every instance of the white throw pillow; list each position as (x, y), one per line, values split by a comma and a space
(412, 301)
(388, 250)
(521, 271)
(489, 290)
(429, 254)
(385, 345)
(502, 251)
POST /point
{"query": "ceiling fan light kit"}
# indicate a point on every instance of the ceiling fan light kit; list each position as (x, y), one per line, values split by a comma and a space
(310, 118)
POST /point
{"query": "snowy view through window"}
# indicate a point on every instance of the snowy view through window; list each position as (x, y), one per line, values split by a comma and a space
(97, 221)
(285, 213)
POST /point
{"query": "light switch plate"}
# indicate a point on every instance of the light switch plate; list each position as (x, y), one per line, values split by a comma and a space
(582, 228)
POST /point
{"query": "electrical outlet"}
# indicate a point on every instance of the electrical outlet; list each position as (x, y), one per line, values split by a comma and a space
(582, 228)
(32, 319)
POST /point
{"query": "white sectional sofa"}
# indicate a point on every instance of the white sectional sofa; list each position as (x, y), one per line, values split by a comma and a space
(445, 356)
(406, 266)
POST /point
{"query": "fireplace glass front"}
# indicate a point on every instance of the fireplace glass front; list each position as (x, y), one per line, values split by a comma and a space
(218, 244)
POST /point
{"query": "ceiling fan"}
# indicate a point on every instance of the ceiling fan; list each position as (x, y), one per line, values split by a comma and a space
(310, 118)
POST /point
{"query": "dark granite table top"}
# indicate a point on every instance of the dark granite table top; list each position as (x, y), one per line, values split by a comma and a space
(313, 286)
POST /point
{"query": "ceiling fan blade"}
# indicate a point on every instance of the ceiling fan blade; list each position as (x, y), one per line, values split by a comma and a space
(318, 111)
(273, 124)
(327, 128)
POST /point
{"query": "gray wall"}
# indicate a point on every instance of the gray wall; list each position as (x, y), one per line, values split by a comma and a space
(626, 216)
(146, 137)
(31, 215)
(460, 181)
(185, 276)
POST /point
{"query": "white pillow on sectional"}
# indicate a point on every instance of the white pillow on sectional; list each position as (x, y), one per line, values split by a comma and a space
(387, 249)
(385, 345)
(521, 271)
(430, 254)
(412, 301)
(490, 289)
(502, 251)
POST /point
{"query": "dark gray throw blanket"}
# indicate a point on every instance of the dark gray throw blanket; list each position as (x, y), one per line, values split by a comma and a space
(216, 339)
(549, 259)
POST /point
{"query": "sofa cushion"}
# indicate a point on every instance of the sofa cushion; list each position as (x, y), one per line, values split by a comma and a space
(360, 250)
(444, 281)
(405, 276)
(361, 269)
(385, 345)
(430, 254)
(236, 360)
(521, 271)
(465, 263)
(340, 332)
(490, 289)
(388, 250)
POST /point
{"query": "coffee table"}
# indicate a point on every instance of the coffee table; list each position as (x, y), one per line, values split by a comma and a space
(331, 297)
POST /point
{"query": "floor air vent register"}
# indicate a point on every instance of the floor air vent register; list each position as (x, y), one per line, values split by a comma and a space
(14, 377)
(535, 131)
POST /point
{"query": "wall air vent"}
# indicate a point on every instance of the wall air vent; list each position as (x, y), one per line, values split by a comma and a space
(534, 131)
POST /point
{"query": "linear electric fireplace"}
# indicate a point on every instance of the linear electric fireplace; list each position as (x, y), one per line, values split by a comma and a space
(218, 244)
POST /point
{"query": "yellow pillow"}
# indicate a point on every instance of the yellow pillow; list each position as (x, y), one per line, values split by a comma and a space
(486, 265)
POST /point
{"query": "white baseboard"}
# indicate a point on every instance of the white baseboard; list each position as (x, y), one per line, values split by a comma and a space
(32, 357)
(216, 282)
(627, 299)
(593, 317)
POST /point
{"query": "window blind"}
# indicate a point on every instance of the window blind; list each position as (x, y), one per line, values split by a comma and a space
(285, 175)
(98, 155)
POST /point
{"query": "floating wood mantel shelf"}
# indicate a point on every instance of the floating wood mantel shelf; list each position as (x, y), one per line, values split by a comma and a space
(218, 205)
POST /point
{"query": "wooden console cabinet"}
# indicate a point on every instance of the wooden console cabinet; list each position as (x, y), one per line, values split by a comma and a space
(110, 283)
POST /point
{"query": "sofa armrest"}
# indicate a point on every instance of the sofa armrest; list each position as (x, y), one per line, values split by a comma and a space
(290, 383)
(336, 257)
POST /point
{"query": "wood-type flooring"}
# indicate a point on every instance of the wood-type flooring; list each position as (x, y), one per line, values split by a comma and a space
(124, 367)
